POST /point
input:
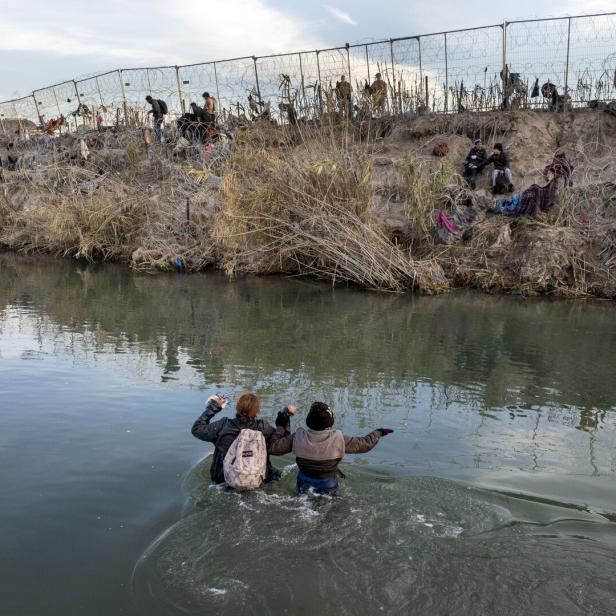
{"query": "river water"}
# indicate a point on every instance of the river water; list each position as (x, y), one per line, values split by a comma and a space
(495, 494)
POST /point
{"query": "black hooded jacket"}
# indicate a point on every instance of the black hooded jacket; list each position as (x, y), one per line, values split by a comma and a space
(223, 432)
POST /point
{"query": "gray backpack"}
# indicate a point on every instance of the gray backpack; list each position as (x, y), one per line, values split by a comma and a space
(245, 462)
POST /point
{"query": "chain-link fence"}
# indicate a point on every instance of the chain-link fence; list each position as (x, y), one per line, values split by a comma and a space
(548, 63)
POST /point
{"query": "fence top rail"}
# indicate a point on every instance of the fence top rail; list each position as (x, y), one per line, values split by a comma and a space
(344, 47)
(55, 85)
(17, 100)
(115, 70)
(526, 21)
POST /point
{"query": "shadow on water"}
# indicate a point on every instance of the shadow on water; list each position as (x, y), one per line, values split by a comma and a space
(413, 545)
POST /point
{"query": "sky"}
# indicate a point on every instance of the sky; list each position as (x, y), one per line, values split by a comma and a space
(42, 43)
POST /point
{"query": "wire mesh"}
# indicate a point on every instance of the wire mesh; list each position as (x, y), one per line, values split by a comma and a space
(474, 63)
(408, 75)
(537, 51)
(477, 69)
(592, 58)
(196, 79)
(236, 82)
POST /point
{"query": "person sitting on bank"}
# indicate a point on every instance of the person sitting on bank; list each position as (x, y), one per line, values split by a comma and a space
(473, 161)
(500, 160)
(317, 448)
(378, 90)
(224, 431)
(209, 108)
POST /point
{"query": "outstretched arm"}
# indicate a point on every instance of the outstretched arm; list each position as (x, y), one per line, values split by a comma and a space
(202, 428)
(281, 441)
(362, 444)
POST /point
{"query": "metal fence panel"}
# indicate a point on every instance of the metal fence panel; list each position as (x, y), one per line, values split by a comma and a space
(592, 58)
(538, 51)
(474, 63)
(437, 72)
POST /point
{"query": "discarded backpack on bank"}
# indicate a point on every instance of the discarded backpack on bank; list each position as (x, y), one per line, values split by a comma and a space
(440, 149)
(245, 463)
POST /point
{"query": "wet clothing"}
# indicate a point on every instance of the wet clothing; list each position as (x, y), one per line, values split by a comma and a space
(320, 486)
(223, 432)
(318, 453)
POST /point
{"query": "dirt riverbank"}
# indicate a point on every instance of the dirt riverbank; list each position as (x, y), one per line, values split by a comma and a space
(353, 204)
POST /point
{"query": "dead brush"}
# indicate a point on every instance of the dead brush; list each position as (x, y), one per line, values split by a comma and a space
(424, 183)
(308, 210)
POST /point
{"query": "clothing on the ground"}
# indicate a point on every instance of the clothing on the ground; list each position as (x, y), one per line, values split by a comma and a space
(223, 432)
(560, 167)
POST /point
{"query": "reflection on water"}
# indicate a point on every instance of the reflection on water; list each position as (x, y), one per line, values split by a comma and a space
(497, 483)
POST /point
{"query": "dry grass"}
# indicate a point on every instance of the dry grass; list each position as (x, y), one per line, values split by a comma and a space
(308, 210)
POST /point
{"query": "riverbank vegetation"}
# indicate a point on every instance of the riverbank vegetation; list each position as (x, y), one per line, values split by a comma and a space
(351, 203)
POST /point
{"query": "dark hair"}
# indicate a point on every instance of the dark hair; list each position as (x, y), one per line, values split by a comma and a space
(149, 98)
(498, 146)
(320, 416)
(206, 95)
(247, 406)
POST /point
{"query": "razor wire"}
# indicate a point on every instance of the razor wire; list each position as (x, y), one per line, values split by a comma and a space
(492, 67)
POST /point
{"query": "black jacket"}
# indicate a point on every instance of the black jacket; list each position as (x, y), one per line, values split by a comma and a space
(223, 432)
(156, 111)
(500, 163)
(479, 152)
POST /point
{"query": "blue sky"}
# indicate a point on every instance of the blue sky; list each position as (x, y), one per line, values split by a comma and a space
(46, 42)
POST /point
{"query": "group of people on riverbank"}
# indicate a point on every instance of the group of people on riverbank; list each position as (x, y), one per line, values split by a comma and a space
(318, 448)
(477, 159)
(201, 117)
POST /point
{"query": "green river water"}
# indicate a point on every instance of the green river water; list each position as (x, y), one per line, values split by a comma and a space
(494, 496)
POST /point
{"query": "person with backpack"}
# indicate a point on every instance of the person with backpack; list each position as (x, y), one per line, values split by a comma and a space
(500, 160)
(240, 444)
(158, 111)
(318, 449)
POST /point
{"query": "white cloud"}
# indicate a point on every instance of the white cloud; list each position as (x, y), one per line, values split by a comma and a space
(340, 15)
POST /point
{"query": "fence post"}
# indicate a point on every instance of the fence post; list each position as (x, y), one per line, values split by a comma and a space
(177, 78)
(147, 74)
(393, 74)
(36, 109)
(446, 77)
(217, 90)
(100, 94)
(348, 61)
(79, 104)
(567, 66)
(367, 64)
(504, 75)
(319, 86)
(124, 104)
(254, 60)
(301, 74)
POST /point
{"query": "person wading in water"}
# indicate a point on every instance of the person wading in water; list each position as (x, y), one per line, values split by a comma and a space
(318, 449)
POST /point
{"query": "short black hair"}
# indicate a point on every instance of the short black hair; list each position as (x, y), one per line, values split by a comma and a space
(149, 98)
(206, 95)
(320, 416)
(498, 146)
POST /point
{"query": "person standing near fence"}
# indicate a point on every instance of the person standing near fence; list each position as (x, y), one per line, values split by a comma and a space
(378, 90)
(159, 108)
(209, 108)
(344, 94)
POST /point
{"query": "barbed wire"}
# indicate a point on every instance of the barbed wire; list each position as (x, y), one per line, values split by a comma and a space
(499, 66)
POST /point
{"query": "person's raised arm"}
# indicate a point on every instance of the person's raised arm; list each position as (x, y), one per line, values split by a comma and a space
(281, 441)
(202, 428)
(362, 444)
